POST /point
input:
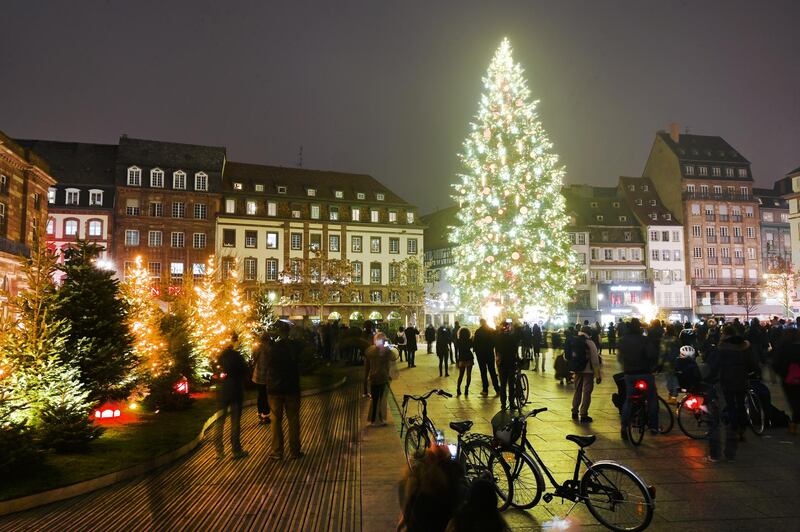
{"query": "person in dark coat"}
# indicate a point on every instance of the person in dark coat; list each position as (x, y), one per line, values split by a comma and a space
(411, 345)
(283, 383)
(506, 353)
(639, 358)
(231, 395)
(465, 359)
(483, 344)
(611, 336)
(443, 348)
(260, 355)
(452, 348)
(786, 363)
(430, 337)
(536, 343)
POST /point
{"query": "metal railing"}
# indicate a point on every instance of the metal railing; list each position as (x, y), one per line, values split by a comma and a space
(711, 239)
(717, 282)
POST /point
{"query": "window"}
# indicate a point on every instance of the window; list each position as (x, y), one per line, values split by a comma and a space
(623, 218)
(593, 253)
(333, 242)
(742, 172)
(155, 239)
(355, 244)
(697, 253)
(582, 239)
(711, 231)
(198, 271)
(250, 239)
(131, 237)
(229, 238)
(737, 231)
(199, 240)
(621, 255)
(176, 272)
(95, 197)
(50, 228)
(154, 269)
(652, 203)
(608, 254)
(333, 213)
(201, 181)
(688, 169)
(250, 207)
(751, 253)
(238, 186)
(178, 209)
(157, 178)
(690, 189)
(654, 236)
(179, 180)
(409, 217)
(748, 212)
(411, 246)
(297, 240)
(599, 217)
(718, 190)
(339, 194)
(731, 190)
(665, 254)
(703, 170)
(751, 232)
(676, 236)
(711, 253)
(723, 231)
(259, 187)
(156, 209)
(177, 239)
(716, 171)
(134, 176)
(698, 273)
(738, 253)
(200, 211)
(394, 245)
(272, 270)
(375, 296)
(250, 269)
(272, 240)
(358, 273)
(70, 226)
(295, 213)
(375, 244)
(230, 206)
(374, 216)
(355, 214)
(593, 204)
(73, 196)
(51, 192)
(315, 241)
(638, 201)
(379, 196)
(704, 190)
(604, 236)
(281, 189)
(360, 195)
(628, 236)
(676, 254)
(665, 236)
(132, 207)
(315, 212)
(375, 273)
(272, 208)
(654, 254)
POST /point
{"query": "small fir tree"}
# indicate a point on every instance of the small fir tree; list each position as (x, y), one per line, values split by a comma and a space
(144, 322)
(262, 315)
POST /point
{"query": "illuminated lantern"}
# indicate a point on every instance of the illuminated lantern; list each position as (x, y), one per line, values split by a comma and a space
(182, 386)
(107, 411)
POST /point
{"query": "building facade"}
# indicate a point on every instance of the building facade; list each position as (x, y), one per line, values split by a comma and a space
(708, 186)
(24, 182)
(776, 243)
(322, 242)
(440, 298)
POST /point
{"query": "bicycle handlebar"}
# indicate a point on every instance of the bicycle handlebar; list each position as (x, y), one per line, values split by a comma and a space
(535, 412)
(444, 393)
(426, 396)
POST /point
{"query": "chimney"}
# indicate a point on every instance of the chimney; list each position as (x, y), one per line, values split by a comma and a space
(675, 133)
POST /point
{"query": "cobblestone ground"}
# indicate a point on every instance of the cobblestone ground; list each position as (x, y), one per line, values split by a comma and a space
(759, 491)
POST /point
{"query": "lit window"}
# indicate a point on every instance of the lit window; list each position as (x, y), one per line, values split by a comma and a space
(339, 194)
(375, 244)
(250, 239)
(358, 273)
(272, 208)
(333, 242)
(134, 176)
(272, 270)
(238, 186)
(412, 246)
(157, 178)
(716, 171)
(360, 195)
(251, 207)
(71, 227)
(410, 217)
(728, 172)
(281, 189)
(379, 196)
(296, 213)
(73, 196)
(51, 226)
(131, 237)
(132, 207)
(392, 217)
(51, 194)
(179, 180)
(742, 172)
(198, 270)
(272, 240)
(315, 212)
(311, 192)
(201, 181)
(176, 271)
(333, 213)
(374, 216)
(355, 214)
(230, 206)
(95, 197)
(95, 228)
(259, 188)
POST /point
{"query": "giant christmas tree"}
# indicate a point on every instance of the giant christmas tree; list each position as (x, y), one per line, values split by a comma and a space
(512, 255)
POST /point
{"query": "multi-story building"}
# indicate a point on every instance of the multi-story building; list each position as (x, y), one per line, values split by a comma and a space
(791, 193)
(284, 226)
(664, 251)
(81, 203)
(440, 298)
(167, 199)
(708, 186)
(776, 250)
(24, 182)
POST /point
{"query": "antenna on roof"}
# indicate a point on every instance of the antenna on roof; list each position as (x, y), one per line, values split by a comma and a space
(300, 157)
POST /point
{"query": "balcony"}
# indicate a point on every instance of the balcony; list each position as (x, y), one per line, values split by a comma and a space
(727, 196)
(723, 217)
(724, 240)
(711, 239)
(736, 218)
(712, 260)
(710, 217)
(725, 261)
(721, 282)
(738, 261)
(738, 240)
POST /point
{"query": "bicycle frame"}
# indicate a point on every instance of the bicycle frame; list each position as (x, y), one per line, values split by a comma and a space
(581, 458)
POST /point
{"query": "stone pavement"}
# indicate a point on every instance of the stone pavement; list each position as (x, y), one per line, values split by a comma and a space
(758, 491)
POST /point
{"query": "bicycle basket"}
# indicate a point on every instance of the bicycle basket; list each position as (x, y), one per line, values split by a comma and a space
(506, 427)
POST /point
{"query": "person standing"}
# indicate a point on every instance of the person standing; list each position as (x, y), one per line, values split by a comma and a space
(443, 348)
(506, 350)
(430, 337)
(638, 358)
(231, 394)
(283, 383)
(668, 354)
(585, 363)
(483, 344)
(401, 344)
(611, 336)
(452, 348)
(377, 362)
(536, 343)
(260, 377)
(786, 364)
(597, 336)
(465, 359)
(411, 345)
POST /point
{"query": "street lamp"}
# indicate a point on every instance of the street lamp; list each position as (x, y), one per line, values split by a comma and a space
(599, 299)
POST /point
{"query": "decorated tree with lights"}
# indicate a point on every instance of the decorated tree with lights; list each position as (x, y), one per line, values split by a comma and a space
(144, 321)
(512, 254)
(209, 332)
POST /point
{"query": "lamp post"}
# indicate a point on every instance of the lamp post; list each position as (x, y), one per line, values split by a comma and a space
(599, 299)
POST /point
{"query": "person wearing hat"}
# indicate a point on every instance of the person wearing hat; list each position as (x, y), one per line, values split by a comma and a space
(639, 358)
(586, 366)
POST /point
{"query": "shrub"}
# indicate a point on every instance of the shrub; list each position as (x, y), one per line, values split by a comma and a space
(163, 395)
(16, 446)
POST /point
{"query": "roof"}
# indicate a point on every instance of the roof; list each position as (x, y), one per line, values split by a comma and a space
(23, 152)
(437, 227)
(77, 163)
(154, 153)
(640, 190)
(299, 180)
(795, 171)
(769, 199)
(586, 203)
(703, 148)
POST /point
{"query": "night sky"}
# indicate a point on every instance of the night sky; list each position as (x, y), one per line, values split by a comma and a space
(388, 88)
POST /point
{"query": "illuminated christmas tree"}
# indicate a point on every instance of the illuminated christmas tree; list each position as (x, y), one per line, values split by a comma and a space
(512, 255)
(209, 332)
(144, 320)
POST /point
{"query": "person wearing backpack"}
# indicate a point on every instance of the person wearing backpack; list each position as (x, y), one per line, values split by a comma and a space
(585, 364)
(786, 363)
(639, 358)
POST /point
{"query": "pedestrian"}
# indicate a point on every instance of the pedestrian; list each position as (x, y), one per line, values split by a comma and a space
(377, 365)
(786, 363)
(728, 367)
(536, 343)
(443, 348)
(483, 345)
(638, 358)
(668, 356)
(231, 394)
(401, 343)
(430, 337)
(465, 359)
(259, 378)
(597, 336)
(479, 512)
(585, 364)
(452, 348)
(506, 350)
(411, 345)
(611, 336)
(283, 383)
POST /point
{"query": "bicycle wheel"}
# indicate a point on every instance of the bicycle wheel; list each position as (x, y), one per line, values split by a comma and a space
(415, 444)
(694, 422)
(526, 478)
(666, 419)
(480, 460)
(523, 390)
(755, 412)
(637, 423)
(617, 497)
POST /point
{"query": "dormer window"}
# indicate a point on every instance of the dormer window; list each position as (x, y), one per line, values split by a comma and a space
(652, 203)
(623, 218)
(616, 204)
(379, 196)
(742, 172)
(638, 201)
(238, 186)
(645, 188)
(627, 236)
(604, 236)
(361, 195)
(410, 217)
(95, 197)
(593, 205)
(51, 195)
(653, 216)
(201, 181)
(73, 196)
(632, 188)
(599, 217)
(296, 213)
(703, 170)
(311, 192)
(134, 176)
(157, 178)
(259, 188)
(716, 171)
(179, 180)
(668, 216)
(281, 189)
(728, 172)
(338, 194)
(688, 169)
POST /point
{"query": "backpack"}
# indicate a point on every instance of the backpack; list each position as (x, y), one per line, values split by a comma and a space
(793, 374)
(579, 354)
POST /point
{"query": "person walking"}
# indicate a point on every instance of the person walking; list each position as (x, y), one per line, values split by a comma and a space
(231, 394)
(465, 359)
(536, 344)
(411, 345)
(638, 358)
(585, 363)
(668, 355)
(283, 383)
(443, 348)
(430, 337)
(786, 364)
(452, 348)
(401, 344)
(506, 350)
(483, 344)
(259, 378)
(611, 336)
(377, 364)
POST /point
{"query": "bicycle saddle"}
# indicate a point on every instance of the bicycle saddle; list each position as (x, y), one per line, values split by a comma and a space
(461, 426)
(582, 441)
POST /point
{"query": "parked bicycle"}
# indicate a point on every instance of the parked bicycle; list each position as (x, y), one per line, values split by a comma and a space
(521, 387)
(756, 417)
(614, 494)
(639, 422)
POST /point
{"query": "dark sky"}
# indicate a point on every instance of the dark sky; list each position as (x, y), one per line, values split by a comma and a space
(388, 88)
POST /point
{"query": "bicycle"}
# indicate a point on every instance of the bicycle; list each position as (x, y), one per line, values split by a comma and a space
(521, 387)
(694, 418)
(753, 408)
(614, 494)
(638, 421)
(474, 452)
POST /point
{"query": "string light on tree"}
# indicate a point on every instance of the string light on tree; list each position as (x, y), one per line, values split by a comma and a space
(149, 344)
(511, 249)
